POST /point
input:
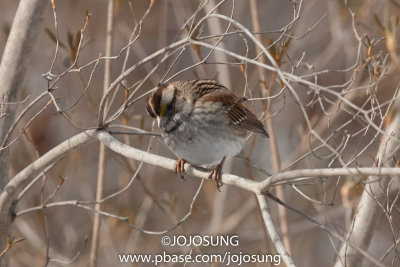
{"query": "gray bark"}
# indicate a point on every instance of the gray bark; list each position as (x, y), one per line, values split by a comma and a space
(369, 211)
(13, 66)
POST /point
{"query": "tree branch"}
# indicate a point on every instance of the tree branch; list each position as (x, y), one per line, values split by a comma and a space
(101, 170)
(60, 151)
(373, 197)
(14, 62)
(273, 234)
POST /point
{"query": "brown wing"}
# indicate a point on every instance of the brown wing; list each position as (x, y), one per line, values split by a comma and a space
(238, 114)
(245, 119)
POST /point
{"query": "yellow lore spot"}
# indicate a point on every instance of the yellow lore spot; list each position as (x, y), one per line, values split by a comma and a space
(162, 110)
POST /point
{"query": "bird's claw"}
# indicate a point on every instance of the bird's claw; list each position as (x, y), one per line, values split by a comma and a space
(216, 175)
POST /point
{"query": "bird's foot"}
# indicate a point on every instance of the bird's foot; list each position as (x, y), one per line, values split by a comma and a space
(216, 175)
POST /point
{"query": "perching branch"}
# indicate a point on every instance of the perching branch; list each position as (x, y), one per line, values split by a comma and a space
(329, 112)
(60, 151)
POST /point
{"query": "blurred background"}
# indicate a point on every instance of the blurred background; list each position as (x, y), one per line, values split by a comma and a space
(320, 45)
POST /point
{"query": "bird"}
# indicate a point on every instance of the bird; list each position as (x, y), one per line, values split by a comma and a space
(202, 122)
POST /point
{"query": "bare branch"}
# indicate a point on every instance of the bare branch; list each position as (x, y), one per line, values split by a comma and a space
(273, 234)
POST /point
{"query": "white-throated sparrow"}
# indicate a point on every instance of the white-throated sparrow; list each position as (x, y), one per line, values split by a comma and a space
(202, 122)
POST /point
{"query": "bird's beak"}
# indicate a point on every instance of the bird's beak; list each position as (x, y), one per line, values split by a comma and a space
(158, 121)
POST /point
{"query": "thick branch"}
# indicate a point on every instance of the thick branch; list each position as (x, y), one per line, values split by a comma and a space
(14, 63)
(26, 175)
(38, 166)
(374, 196)
(15, 59)
(166, 163)
(115, 145)
(273, 234)
(230, 179)
(60, 151)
